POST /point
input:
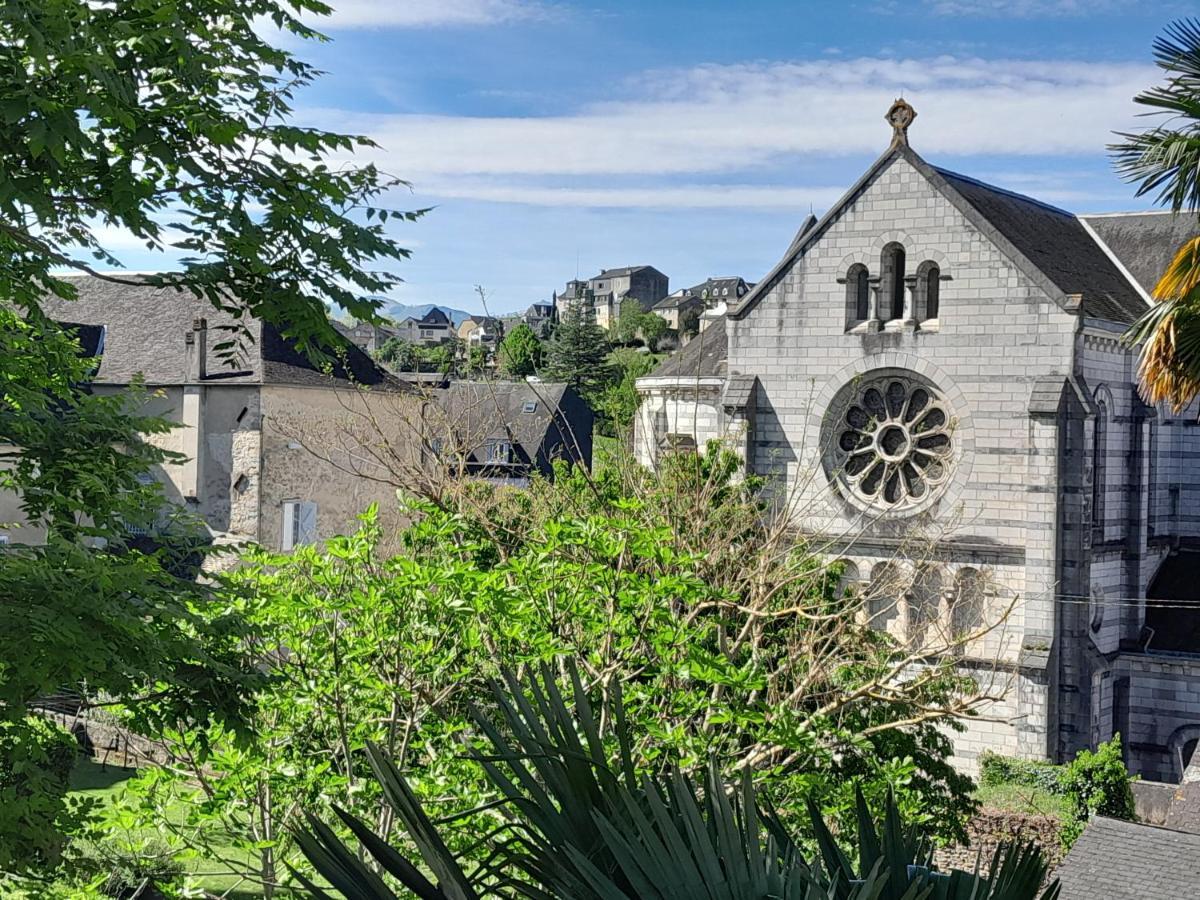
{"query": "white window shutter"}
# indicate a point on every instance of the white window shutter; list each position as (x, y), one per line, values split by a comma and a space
(308, 524)
(288, 538)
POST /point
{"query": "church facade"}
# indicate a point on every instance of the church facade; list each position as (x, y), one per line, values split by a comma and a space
(941, 357)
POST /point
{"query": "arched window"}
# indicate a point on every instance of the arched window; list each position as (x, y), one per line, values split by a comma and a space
(1152, 504)
(883, 595)
(858, 295)
(967, 608)
(891, 282)
(848, 581)
(924, 600)
(1099, 458)
(928, 290)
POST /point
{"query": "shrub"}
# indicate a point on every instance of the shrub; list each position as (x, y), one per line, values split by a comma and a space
(1097, 783)
(995, 769)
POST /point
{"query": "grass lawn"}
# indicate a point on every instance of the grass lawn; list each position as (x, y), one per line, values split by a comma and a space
(106, 783)
(1021, 798)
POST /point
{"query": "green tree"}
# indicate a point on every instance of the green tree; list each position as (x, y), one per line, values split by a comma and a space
(578, 353)
(363, 648)
(1096, 784)
(81, 604)
(619, 402)
(476, 361)
(170, 122)
(520, 352)
(654, 587)
(1166, 159)
(398, 354)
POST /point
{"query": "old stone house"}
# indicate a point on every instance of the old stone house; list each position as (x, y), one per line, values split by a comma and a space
(942, 356)
(277, 452)
(604, 294)
(509, 431)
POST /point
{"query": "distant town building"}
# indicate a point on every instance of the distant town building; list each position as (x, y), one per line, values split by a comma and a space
(432, 328)
(676, 309)
(481, 331)
(605, 293)
(366, 336)
(539, 317)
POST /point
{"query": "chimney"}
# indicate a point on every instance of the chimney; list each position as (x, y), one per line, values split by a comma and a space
(196, 355)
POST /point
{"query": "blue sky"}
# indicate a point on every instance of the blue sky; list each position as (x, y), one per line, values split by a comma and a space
(555, 137)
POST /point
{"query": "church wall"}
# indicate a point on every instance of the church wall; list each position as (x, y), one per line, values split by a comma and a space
(1115, 539)
(689, 407)
(997, 331)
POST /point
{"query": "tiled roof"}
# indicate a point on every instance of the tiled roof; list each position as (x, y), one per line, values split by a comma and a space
(1145, 243)
(1056, 243)
(145, 328)
(480, 411)
(702, 356)
(1117, 860)
(621, 272)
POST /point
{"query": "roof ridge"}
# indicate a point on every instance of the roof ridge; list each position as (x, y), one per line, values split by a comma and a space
(999, 190)
(1139, 824)
(1132, 212)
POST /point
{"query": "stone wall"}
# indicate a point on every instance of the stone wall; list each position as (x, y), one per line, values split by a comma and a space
(992, 827)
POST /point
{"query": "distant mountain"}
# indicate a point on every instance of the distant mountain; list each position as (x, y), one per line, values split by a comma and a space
(400, 311)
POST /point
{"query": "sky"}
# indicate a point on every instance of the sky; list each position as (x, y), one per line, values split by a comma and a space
(554, 138)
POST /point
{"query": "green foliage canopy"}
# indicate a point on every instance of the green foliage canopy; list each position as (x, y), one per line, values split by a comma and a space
(1097, 784)
(577, 353)
(520, 352)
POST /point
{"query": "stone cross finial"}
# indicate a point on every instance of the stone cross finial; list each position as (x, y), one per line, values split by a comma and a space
(900, 116)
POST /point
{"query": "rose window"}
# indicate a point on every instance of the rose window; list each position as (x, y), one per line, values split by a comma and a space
(894, 443)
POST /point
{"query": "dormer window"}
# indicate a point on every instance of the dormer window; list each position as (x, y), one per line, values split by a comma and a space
(858, 295)
(891, 283)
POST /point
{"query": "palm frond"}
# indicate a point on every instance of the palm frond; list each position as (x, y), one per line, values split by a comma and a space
(582, 831)
(1166, 158)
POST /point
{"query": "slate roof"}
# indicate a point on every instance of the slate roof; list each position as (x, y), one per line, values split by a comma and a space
(1145, 243)
(144, 328)
(675, 300)
(482, 411)
(702, 356)
(621, 272)
(1126, 861)
(1056, 242)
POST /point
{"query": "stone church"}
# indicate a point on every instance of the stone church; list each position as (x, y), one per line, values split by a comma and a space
(942, 356)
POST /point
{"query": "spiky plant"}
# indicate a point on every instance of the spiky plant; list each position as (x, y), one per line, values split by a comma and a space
(579, 830)
(1166, 160)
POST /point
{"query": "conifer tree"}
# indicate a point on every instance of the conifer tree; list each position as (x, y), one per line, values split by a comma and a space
(578, 352)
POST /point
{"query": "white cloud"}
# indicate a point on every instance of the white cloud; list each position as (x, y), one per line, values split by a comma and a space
(713, 119)
(429, 13)
(755, 123)
(1022, 9)
(691, 196)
